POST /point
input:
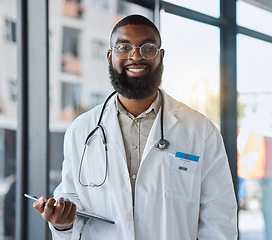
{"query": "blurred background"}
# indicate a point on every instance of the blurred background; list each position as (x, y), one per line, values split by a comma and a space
(218, 61)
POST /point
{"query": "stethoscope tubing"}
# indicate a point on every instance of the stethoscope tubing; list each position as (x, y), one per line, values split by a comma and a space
(162, 144)
(100, 119)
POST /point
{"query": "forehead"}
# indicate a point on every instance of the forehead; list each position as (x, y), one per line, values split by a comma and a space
(135, 34)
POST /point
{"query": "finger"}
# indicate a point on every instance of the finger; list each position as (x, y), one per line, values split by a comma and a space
(50, 203)
(67, 209)
(60, 206)
(49, 208)
(69, 213)
(39, 205)
(72, 214)
(62, 212)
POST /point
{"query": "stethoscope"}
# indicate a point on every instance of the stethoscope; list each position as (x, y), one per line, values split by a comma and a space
(162, 144)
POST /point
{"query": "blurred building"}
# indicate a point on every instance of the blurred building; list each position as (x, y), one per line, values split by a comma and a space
(79, 33)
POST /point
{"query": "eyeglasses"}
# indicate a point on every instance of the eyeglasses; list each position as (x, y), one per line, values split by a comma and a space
(126, 50)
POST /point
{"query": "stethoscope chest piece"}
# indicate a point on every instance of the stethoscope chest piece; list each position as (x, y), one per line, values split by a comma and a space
(162, 144)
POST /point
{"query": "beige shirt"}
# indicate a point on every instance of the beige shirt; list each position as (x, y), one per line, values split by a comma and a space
(135, 131)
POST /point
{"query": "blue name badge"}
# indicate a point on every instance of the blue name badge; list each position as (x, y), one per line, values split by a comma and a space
(185, 162)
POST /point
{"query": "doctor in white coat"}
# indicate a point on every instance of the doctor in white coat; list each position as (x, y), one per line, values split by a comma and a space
(151, 190)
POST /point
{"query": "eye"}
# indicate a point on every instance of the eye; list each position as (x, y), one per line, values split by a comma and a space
(123, 47)
(148, 47)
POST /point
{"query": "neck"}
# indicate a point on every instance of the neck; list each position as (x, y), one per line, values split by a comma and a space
(137, 106)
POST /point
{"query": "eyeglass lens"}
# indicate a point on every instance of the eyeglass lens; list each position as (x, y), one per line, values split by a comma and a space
(147, 50)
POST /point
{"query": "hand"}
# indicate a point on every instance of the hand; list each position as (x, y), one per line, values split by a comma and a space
(61, 215)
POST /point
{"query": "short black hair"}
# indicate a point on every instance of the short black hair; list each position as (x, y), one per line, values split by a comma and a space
(135, 20)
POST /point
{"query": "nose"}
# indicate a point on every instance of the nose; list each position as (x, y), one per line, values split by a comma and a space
(135, 55)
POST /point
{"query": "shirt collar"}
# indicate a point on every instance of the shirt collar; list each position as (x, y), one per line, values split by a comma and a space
(155, 106)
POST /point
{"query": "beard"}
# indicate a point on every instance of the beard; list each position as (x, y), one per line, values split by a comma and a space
(136, 87)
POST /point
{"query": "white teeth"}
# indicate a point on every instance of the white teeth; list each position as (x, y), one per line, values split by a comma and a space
(136, 70)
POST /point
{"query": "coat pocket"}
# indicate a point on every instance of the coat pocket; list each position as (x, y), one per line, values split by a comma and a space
(180, 184)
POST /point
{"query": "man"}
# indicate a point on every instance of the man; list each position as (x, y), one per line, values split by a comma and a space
(182, 191)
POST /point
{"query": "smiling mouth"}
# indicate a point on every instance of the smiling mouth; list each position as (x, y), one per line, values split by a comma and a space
(136, 69)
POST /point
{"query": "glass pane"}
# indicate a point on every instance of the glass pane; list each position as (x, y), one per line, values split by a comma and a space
(209, 7)
(78, 65)
(253, 17)
(254, 60)
(8, 117)
(191, 64)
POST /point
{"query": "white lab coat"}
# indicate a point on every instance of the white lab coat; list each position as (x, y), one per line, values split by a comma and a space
(169, 204)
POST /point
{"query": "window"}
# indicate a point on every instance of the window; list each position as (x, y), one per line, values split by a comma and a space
(96, 98)
(102, 5)
(13, 90)
(7, 182)
(8, 118)
(125, 8)
(70, 49)
(99, 47)
(255, 137)
(191, 72)
(10, 30)
(70, 99)
(209, 7)
(253, 17)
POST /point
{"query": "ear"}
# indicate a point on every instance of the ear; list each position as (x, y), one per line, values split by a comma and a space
(162, 51)
(109, 55)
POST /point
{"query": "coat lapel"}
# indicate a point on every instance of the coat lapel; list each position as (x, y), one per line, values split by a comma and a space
(112, 127)
(113, 131)
(169, 121)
